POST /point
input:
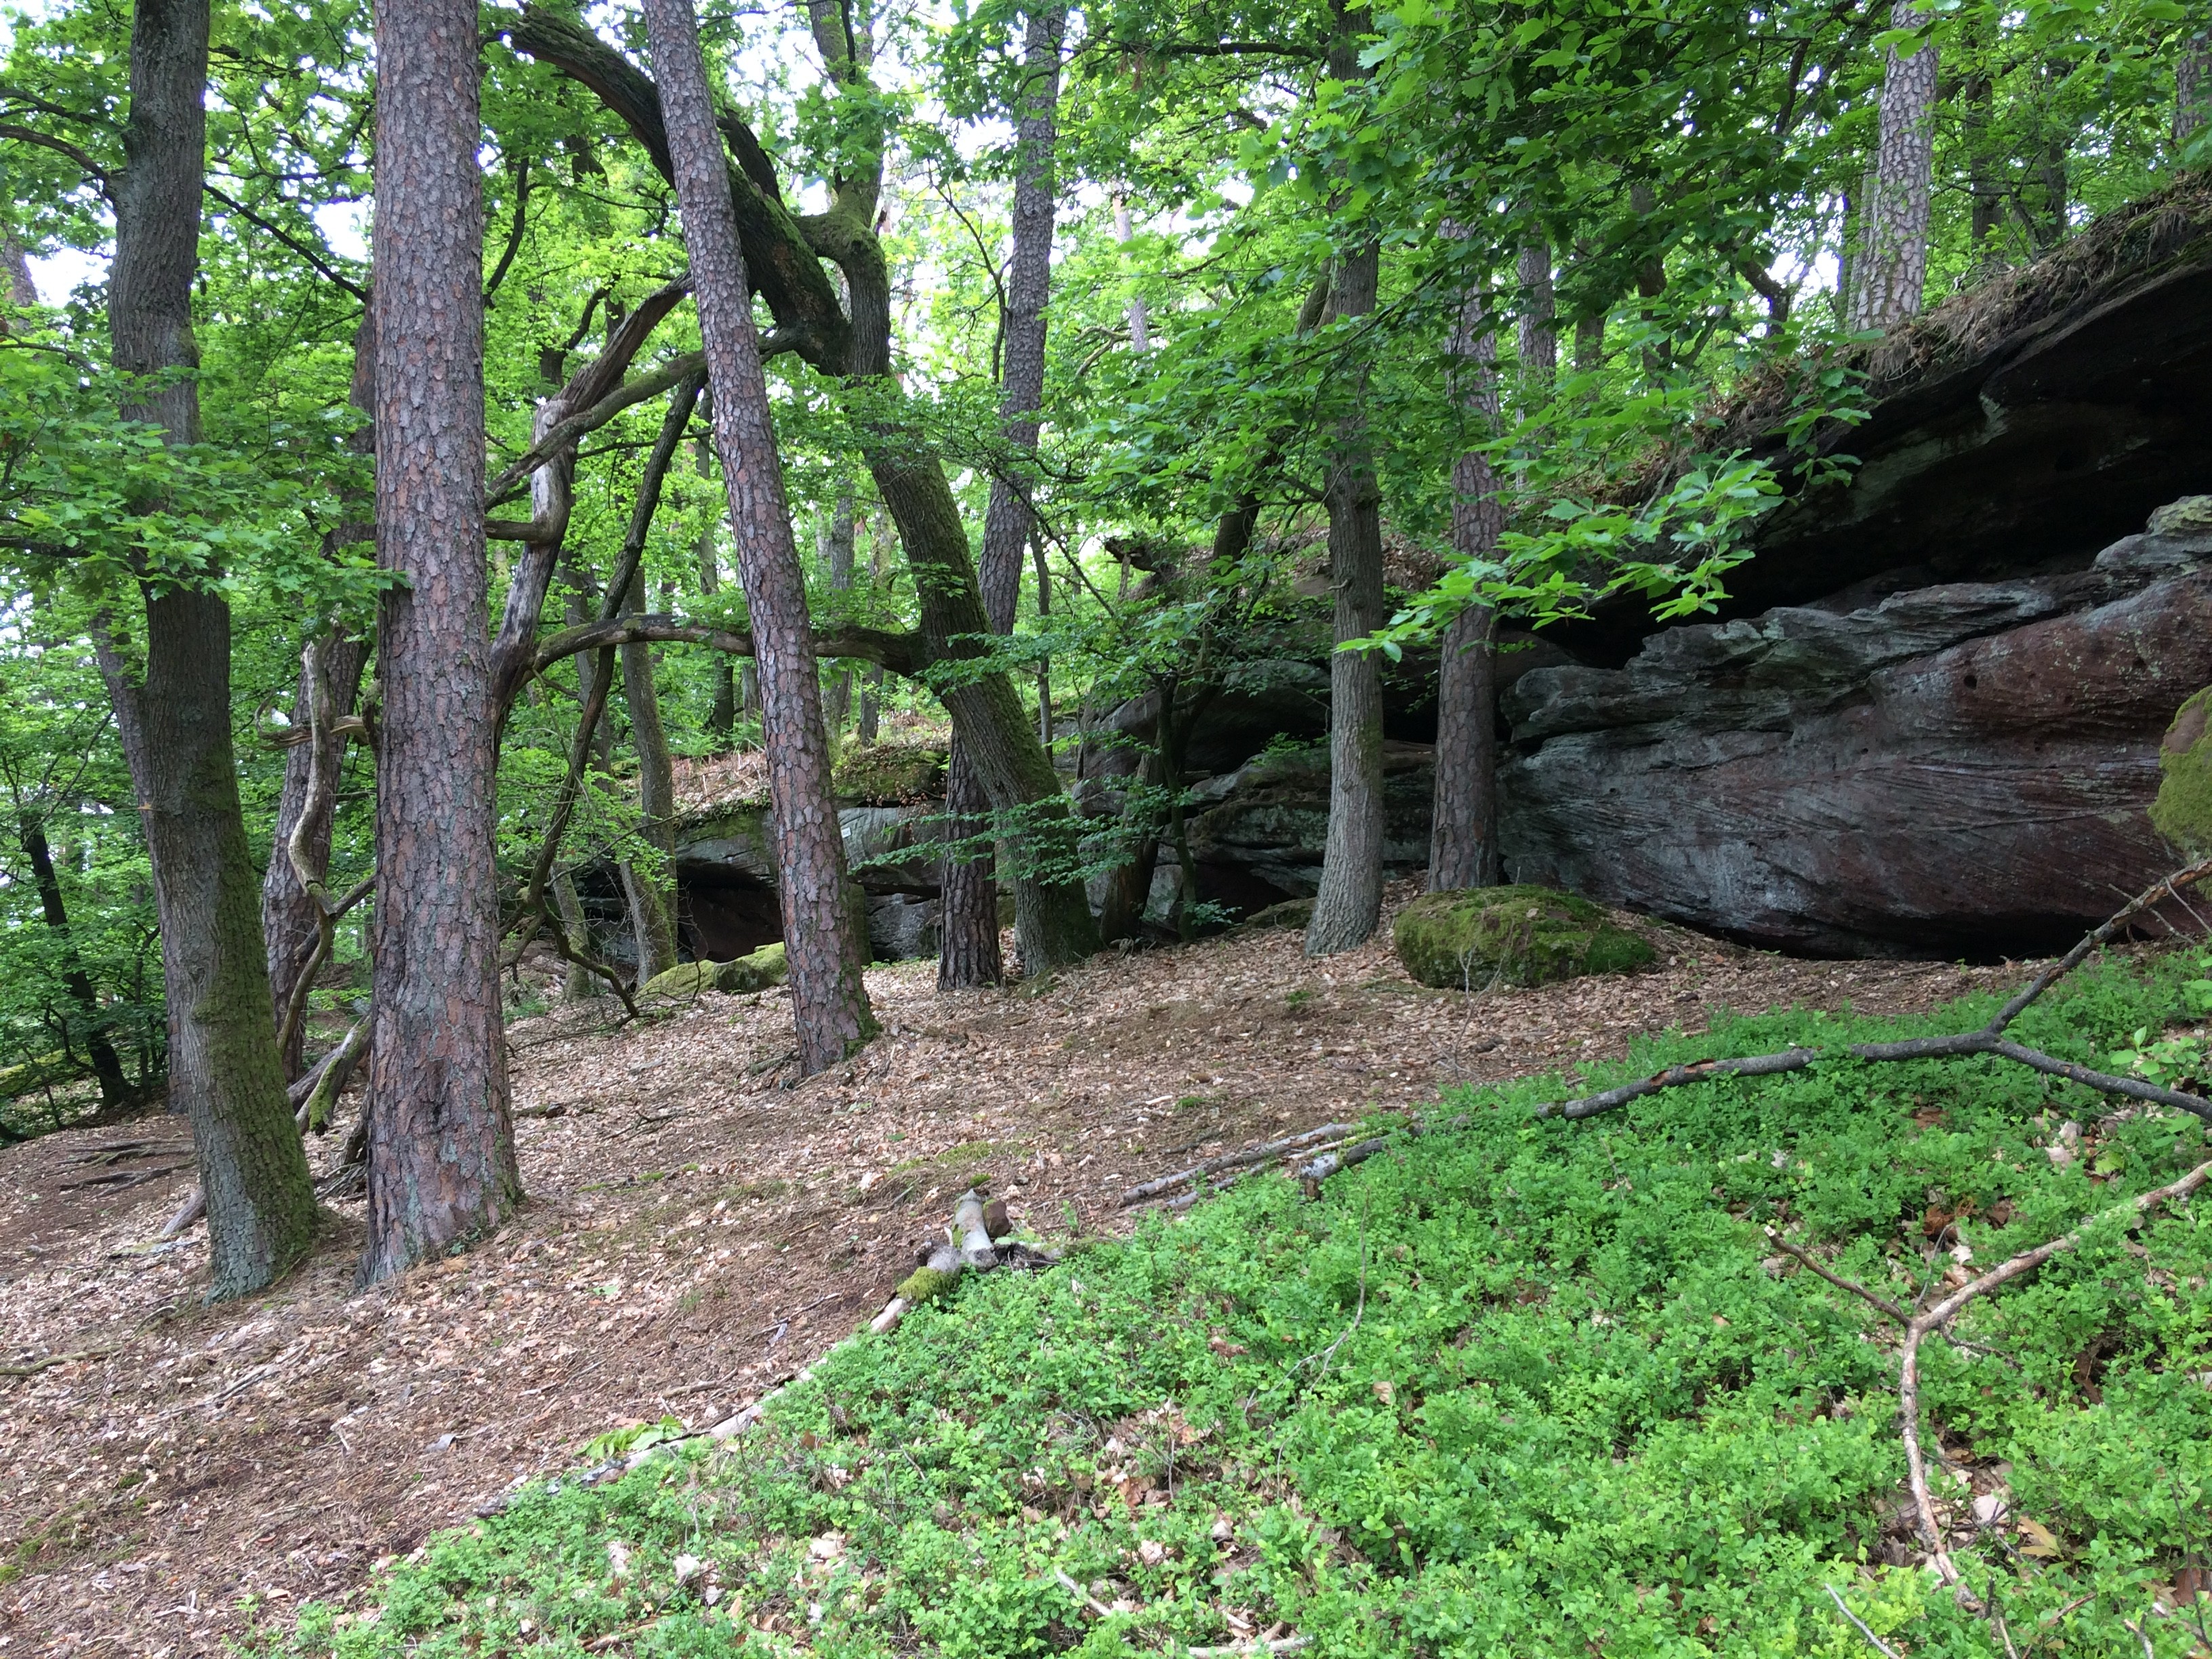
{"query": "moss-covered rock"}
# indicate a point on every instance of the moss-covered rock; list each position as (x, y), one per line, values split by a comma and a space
(890, 774)
(1291, 913)
(1518, 935)
(2183, 811)
(764, 968)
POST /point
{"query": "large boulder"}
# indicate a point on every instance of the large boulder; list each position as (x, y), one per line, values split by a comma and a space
(1960, 768)
(1466, 941)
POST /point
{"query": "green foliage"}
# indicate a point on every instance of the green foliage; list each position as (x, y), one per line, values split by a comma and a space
(2182, 810)
(1515, 1387)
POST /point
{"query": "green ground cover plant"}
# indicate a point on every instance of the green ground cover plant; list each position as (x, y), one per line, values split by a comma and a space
(1525, 1388)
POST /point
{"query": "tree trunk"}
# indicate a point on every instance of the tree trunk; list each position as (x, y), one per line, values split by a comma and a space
(1536, 329)
(441, 1166)
(114, 1087)
(654, 904)
(1349, 901)
(15, 272)
(967, 955)
(837, 554)
(1463, 832)
(1140, 328)
(872, 703)
(722, 718)
(287, 914)
(2192, 88)
(223, 1070)
(1892, 270)
(1007, 520)
(830, 999)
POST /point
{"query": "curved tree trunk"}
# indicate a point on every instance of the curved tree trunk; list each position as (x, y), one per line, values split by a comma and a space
(830, 998)
(1892, 270)
(441, 1146)
(223, 1071)
(967, 955)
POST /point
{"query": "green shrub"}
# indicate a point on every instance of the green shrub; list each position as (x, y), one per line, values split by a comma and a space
(1515, 1387)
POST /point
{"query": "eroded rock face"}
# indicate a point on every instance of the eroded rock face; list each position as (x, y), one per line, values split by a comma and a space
(1960, 768)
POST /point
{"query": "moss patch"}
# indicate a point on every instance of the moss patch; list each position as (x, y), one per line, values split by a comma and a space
(1518, 935)
(890, 774)
(2183, 811)
(764, 968)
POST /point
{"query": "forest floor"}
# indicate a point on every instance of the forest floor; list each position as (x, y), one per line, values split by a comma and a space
(697, 1229)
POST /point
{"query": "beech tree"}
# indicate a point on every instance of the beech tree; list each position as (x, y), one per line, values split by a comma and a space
(172, 707)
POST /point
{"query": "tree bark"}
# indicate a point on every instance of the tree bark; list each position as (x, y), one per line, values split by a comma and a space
(830, 998)
(1463, 832)
(441, 1167)
(1349, 903)
(722, 716)
(1536, 328)
(223, 1070)
(1889, 275)
(837, 539)
(654, 903)
(968, 954)
(2192, 88)
(106, 1068)
(1007, 520)
(288, 912)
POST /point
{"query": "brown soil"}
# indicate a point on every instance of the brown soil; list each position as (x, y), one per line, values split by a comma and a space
(697, 1229)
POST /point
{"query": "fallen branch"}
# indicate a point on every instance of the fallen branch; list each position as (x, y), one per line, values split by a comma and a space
(1917, 1327)
(33, 1368)
(1168, 1183)
(1988, 1040)
(1880, 1646)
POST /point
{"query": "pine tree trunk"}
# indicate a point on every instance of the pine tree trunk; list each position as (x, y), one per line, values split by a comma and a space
(223, 1071)
(1891, 272)
(830, 999)
(1007, 520)
(91, 1027)
(1463, 830)
(441, 1167)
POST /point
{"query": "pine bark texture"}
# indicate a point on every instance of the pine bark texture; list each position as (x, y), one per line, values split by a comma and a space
(1891, 272)
(441, 1166)
(1463, 832)
(1349, 904)
(830, 999)
(970, 901)
(223, 1071)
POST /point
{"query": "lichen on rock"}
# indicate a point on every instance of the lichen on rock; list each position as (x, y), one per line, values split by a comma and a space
(1514, 935)
(2183, 811)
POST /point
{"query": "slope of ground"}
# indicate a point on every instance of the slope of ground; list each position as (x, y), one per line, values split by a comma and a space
(696, 1230)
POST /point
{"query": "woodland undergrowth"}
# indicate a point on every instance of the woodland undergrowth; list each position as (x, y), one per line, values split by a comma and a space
(1529, 1388)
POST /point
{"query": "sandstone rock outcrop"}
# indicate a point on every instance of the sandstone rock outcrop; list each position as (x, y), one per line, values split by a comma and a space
(1955, 768)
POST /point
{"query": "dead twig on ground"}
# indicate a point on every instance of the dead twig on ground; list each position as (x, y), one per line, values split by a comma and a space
(1880, 1646)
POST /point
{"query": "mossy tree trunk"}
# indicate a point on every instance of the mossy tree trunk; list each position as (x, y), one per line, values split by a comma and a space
(224, 1075)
